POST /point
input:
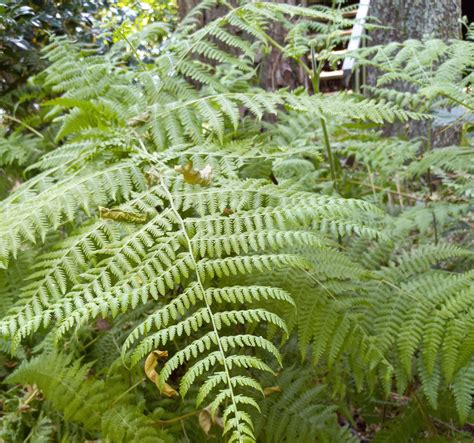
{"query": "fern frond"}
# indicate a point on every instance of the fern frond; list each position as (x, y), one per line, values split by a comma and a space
(299, 411)
(94, 404)
(26, 219)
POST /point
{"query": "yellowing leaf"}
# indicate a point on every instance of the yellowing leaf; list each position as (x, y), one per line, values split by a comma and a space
(150, 365)
(271, 390)
(121, 216)
(205, 421)
(195, 176)
(227, 212)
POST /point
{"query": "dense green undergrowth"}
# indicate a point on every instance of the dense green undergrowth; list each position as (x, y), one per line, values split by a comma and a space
(185, 256)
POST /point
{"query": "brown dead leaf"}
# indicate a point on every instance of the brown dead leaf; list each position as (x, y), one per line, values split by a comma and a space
(150, 364)
(271, 390)
(195, 176)
(206, 420)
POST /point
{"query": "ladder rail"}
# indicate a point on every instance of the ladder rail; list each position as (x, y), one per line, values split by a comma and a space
(355, 40)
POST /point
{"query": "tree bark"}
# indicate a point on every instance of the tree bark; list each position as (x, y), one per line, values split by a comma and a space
(185, 6)
(276, 71)
(416, 19)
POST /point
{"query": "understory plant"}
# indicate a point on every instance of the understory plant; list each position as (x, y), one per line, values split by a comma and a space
(186, 256)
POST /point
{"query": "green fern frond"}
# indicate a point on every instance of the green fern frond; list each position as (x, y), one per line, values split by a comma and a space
(93, 403)
(299, 411)
(18, 149)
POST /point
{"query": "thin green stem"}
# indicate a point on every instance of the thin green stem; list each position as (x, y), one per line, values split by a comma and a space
(327, 145)
(130, 44)
(431, 429)
(315, 74)
(131, 388)
(428, 150)
(459, 102)
(30, 128)
(429, 147)
(398, 288)
(174, 420)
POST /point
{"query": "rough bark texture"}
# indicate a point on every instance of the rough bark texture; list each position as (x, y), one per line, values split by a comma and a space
(275, 70)
(185, 6)
(416, 19)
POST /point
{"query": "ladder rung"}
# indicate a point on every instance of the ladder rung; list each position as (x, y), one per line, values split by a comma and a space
(350, 14)
(339, 52)
(338, 33)
(331, 75)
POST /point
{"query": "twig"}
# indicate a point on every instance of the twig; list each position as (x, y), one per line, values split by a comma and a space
(174, 420)
(30, 398)
(397, 181)
(30, 128)
(371, 181)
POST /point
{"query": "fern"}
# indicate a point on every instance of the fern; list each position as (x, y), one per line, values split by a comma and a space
(413, 61)
(18, 149)
(190, 214)
(298, 411)
(189, 238)
(193, 264)
(92, 403)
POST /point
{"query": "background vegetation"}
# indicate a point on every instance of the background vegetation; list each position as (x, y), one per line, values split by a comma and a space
(190, 254)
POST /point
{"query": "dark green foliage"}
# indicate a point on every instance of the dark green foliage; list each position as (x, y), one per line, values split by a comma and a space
(26, 28)
(96, 404)
(298, 411)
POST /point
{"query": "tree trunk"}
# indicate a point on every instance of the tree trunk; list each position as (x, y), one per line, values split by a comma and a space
(276, 71)
(185, 6)
(415, 19)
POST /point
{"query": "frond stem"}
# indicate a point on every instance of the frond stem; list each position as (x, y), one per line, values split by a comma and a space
(130, 44)
(131, 388)
(174, 420)
(459, 102)
(431, 429)
(380, 188)
(208, 307)
(327, 145)
(314, 74)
